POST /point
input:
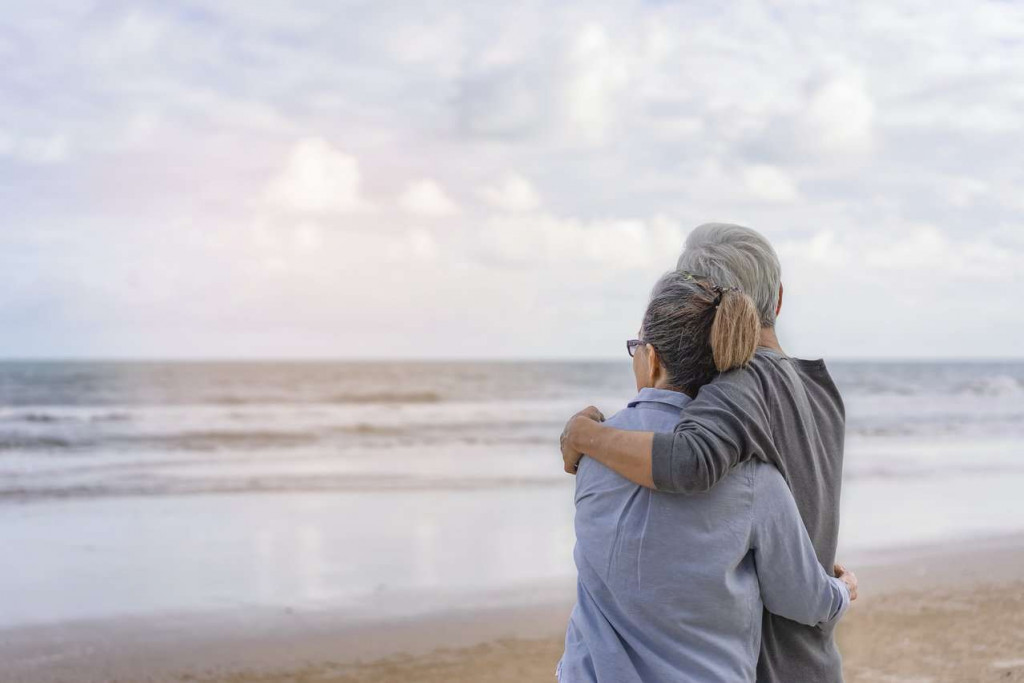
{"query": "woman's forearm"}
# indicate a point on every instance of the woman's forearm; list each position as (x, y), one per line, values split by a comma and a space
(627, 453)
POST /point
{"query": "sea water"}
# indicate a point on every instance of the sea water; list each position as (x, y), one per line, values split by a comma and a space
(395, 488)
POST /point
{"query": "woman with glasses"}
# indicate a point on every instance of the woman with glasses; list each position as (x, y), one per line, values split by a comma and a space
(672, 587)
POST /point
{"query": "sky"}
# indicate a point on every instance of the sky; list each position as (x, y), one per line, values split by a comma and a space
(391, 179)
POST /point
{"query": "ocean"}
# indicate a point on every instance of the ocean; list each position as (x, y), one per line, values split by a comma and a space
(389, 489)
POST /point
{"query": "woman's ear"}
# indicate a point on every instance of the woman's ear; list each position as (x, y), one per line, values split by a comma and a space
(653, 365)
(778, 306)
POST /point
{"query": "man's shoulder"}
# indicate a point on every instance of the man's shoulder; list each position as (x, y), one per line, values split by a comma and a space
(770, 368)
(738, 385)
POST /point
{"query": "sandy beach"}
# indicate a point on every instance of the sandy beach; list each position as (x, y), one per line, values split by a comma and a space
(952, 612)
(955, 633)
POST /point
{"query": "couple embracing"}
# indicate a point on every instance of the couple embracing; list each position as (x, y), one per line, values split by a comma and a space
(707, 510)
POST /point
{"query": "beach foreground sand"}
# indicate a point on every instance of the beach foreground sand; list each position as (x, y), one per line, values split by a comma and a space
(973, 633)
(942, 613)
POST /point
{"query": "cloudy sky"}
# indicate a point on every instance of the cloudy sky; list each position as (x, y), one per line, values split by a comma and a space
(474, 179)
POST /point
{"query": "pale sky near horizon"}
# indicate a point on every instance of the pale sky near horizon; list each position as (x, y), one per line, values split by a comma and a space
(475, 180)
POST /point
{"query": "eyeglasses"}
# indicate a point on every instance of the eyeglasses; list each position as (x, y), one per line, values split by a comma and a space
(632, 345)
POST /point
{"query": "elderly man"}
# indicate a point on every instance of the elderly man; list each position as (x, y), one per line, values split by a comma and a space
(783, 410)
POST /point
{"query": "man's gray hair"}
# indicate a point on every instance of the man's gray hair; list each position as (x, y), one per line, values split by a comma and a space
(735, 256)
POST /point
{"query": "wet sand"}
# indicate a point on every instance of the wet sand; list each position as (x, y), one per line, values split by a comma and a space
(953, 612)
(951, 634)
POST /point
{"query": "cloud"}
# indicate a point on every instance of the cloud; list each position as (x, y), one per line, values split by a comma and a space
(6, 143)
(133, 35)
(905, 254)
(598, 73)
(770, 184)
(427, 198)
(544, 240)
(513, 193)
(422, 244)
(317, 178)
(869, 153)
(840, 114)
(50, 149)
(927, 248)
(505, 102)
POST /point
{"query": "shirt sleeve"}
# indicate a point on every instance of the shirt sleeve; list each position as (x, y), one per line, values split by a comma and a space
(726, 424)
(793, 584)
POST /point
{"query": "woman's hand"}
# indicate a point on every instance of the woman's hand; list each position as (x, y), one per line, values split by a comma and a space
(849, 578)
(570, 437)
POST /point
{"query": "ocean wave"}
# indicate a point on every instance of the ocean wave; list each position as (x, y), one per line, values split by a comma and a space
(111, 417)
(994, 385)
(49, 417)
(41, 417)
(206, 440)
(982, 385)
(117, 487)
(387, 397)
(10, 442)
(275, 485)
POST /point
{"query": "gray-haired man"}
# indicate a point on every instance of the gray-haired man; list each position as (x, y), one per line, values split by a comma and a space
(786, 411)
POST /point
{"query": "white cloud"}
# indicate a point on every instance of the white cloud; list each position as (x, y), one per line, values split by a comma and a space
(52, 149)
(904, 252)
(317, 178)
(436, 44)
(770, 183)
(822, 248)
(840, 114)
(513, 193)
(427, 198)
(422, 244)
(141, 128)
(963, 192)
(598, 73)
(541, 240)
(927, 248)
(133, 35)
(308, 236)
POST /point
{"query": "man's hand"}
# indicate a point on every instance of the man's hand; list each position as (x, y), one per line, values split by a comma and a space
(849, 578)
(570, 455)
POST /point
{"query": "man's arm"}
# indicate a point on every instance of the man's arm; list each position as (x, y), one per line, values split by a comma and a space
(626, 452)
(726, 424)
(793, 584)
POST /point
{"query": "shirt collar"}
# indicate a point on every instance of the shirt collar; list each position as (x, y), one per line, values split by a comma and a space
(674, 399)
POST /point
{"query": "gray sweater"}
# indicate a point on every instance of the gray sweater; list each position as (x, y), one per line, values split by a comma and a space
(788, 412)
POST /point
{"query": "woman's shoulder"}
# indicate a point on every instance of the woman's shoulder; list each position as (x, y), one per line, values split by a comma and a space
(644, 417)
(770, 487)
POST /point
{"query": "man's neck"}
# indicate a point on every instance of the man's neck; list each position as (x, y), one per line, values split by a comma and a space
(769, 340)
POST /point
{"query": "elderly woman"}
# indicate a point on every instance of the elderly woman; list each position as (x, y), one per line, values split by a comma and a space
(672, 587)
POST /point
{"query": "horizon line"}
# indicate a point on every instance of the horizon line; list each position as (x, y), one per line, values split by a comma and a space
(442, 359)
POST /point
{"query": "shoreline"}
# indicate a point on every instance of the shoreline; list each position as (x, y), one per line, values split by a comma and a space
(285, 644)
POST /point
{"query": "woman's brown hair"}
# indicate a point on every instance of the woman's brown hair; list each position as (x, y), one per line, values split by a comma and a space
(734, 331)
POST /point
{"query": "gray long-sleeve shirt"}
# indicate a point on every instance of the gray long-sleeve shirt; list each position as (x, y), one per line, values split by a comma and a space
(672, 588)
(788, 412)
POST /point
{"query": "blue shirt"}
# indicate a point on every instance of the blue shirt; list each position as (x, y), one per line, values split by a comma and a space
(671, 587)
